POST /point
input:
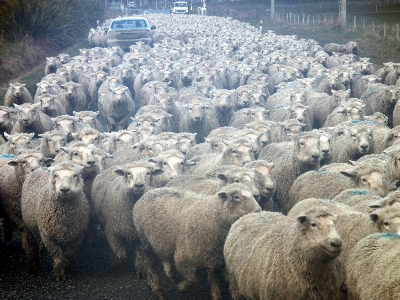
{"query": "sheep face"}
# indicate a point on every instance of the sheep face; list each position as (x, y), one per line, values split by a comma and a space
(142, 133)
(71, 90)
(47, 102)
(30, 161)
(43, 87)
(66, 124)
(5, 118)
(299, 112)
(308, 150)
(320, 233)
(81, 155)
(87, 117)
(238, 201)
(137, 179)
(297, 97)
(18, 143)
(243, 100)
(28, 114)
(88, 137)
(165, 101)
(247, 178)
(197, 111)
(238, 152)
(66, 182)
(186, 142)
(374, 180)
(362, 140)
(54, 141)
(122, 140)
(18, 89)
(387, 219)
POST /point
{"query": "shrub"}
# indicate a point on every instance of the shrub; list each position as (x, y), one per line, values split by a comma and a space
(58, 22)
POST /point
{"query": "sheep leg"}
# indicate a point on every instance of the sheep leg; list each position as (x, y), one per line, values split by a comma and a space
(233, 287)
(116, 246)
(168, 270)
(7, 229)
(214, 284)
(31, 249)
(152, 277)
(189, 274)
(140, 266)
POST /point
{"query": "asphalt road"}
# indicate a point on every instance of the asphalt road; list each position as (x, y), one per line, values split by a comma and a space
(91, 277)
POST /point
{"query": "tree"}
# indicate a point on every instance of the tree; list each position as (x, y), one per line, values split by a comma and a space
(342, 13)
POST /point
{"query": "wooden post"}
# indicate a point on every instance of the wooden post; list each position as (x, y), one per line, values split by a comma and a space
(397, 31)
(384, 29)
(355, 21)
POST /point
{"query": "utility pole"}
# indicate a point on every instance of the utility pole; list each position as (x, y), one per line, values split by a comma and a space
(342, 13)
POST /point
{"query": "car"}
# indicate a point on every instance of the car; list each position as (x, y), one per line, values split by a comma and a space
(180, 7)
(131, 4)
(126, 31)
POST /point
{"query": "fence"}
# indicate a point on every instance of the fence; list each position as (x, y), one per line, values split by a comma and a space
(378, 28)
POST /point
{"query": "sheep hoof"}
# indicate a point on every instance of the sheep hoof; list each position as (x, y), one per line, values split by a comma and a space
(184, 286)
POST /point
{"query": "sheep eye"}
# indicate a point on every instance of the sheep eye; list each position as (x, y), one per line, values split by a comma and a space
(117, 140)
(129, 173)
(313, 225)
(24, 161)
(363, 180)
(165, 163)
(75, 175)
(236, 180)
(148, 174)
(236, 197)
(386, 224)
(233, 151)
(76, 154)
(55, 176)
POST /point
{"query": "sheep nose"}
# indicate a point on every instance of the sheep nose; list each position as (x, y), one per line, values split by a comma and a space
(91, 162)
(325, 150)
(315, 156)
(57, 151)
(64, 190)
(336, 243)
(139, 185)
(197, 118)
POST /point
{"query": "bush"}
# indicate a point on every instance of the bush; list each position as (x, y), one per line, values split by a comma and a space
(58, 22)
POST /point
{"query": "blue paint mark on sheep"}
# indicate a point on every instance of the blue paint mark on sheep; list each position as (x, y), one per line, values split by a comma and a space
(359, 192)
(388, 236)
(8, 156)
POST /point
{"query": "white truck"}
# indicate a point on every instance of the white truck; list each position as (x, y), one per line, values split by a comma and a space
(180, 7)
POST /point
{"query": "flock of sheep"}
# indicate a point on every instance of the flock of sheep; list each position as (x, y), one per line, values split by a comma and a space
(268, 160)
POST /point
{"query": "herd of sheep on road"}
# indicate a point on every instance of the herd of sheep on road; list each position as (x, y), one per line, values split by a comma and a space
(270, 161)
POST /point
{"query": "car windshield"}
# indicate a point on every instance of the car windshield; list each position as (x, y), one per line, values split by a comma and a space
(128, 24)
(180, 4)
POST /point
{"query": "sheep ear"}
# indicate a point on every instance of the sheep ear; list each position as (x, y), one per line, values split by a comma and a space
(222, 177)
(65, 149)
(348, 173)
(378, 204)
(189, 163)
(223, 196)
(13, 163)
(301, 219)
(374, 217)
(119, 172)
(157, 171)
(48, 161)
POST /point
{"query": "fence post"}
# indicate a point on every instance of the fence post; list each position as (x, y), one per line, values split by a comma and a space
(355, 21)
(397, 31)
(384, 29)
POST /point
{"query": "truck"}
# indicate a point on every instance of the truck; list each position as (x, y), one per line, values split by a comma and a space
(180, 7)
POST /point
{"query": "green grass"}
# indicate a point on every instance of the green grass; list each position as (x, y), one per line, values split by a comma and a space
(35, 75)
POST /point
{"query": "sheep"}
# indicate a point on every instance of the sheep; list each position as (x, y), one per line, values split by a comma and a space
(358, 198)
(7, 120)
(267, 256)
(393, 75)
(238, 152)
(352, 109)
(45, 87)
(14, 172)
(188, 249)
(51, 106)
(318, 184)
(31, 119)
(145, 75)
(57, 193)
(72, 97)
(265, 183)
(379, 252)
(248, 115)
(352, 47)
(114, 192)
(198, 118)
(291, 159)
(378, 118)
(186, 77)
(354, 227)
(332, 47)
(89, 118)
(335, 207)
(210, 145)
(119, 140)
(172, 107)
(68, 124)
(223, 101)
(52, 64)
(380, 98)
(18, 143)
(51, 142)
(173, 163)
(297, 111)
(325, 144)
(17, 93)
(89, 136)
(286, 131)
(357, 142)
(322, 104)
(116, 107)
(361, 83)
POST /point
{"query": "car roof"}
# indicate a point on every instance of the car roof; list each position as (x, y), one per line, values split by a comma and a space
(130, 18)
